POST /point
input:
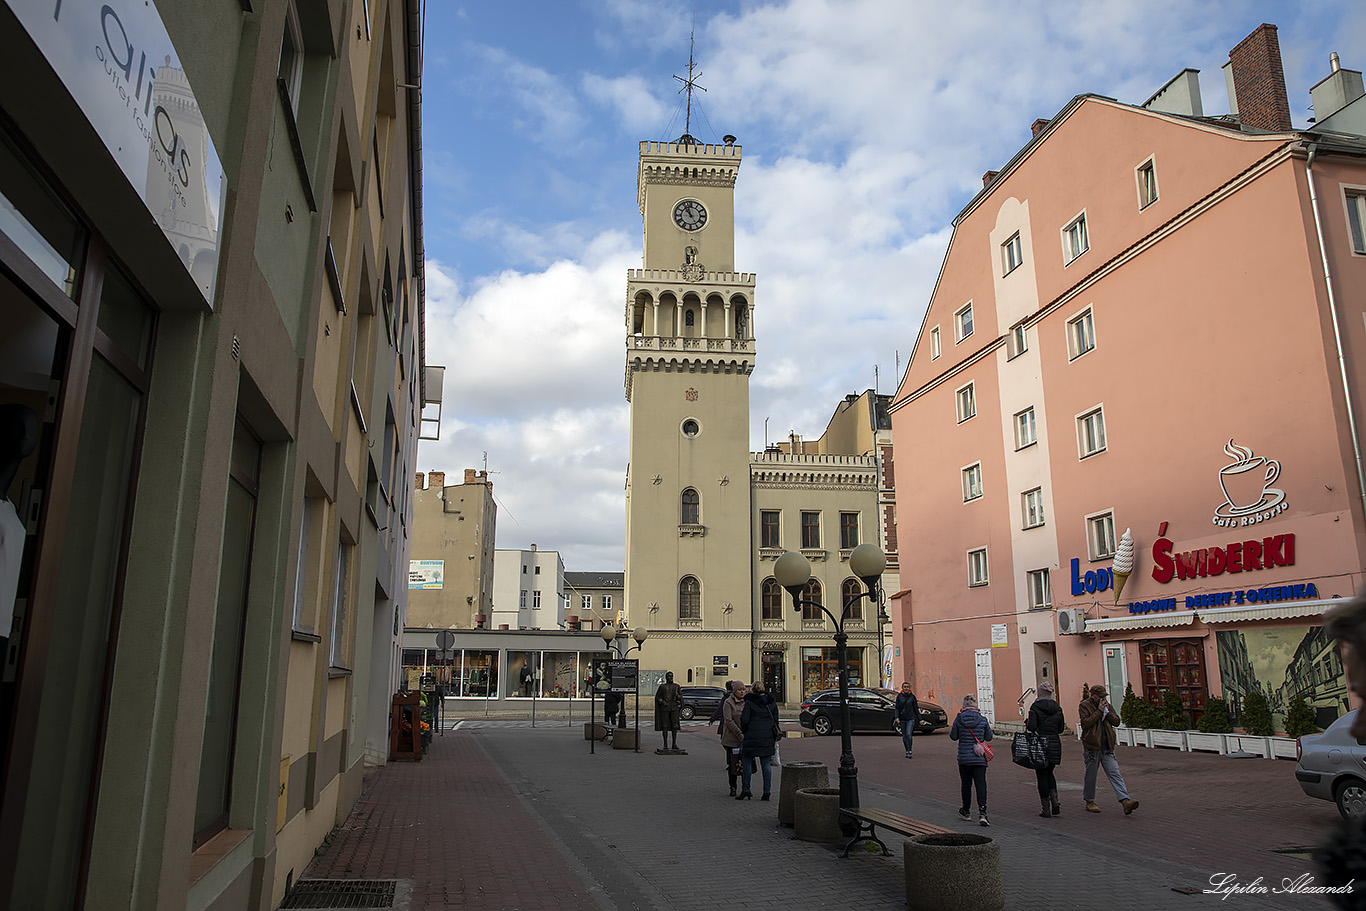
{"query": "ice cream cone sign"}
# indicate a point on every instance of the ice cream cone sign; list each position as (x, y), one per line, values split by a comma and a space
(1123, 563)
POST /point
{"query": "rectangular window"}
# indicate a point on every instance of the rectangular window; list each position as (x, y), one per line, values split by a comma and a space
(972, 482)
(1016, 343)
(768, 528)
(977, 567)
(848, 530)
(522, 601)
(1033, 508)
(962, 324)
(1356, 219)
(1091, 432)
(291, 68)
(536, 599)
(1040, 595)
(934, 344)
(1026, 434)
(538, 571)
(1012, 254)
(341, 590)
(967, 403)
(811, 529)
(1081, 334)
(1147, 184)
(1074, 240)
(607, 602)
(303, 615)
(1100, 536)
(585, 603)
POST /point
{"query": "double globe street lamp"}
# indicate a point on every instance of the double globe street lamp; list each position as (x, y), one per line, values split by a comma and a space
(615, 639)
(867, 561)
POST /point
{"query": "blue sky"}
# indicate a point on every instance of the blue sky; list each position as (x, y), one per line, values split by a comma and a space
(866, 126)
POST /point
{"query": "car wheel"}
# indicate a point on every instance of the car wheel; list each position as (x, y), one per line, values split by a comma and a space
(688, 712)
(1350, 796)
(822, 725)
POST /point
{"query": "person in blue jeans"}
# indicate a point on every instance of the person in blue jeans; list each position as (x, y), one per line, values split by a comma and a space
(907, 714)
(759, 722)
(1098, 723)
(971, 730)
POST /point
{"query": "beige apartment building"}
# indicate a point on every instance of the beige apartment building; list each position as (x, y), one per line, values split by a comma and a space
(705, 518)
(593, 599)
(450, 573)
(213, 356)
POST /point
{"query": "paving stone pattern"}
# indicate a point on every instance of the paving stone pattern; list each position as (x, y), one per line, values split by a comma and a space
(506, 816)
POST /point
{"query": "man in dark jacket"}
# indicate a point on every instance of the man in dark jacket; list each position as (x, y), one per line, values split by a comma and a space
(1098, 722)
(907, 714)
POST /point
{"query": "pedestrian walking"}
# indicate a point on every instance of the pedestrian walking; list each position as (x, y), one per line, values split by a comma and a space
(907, 714)
(971, 730)
(759, 722)
(732, 736)
(1046, 721)
(668, 705)
(612, 707)
(1098, 722)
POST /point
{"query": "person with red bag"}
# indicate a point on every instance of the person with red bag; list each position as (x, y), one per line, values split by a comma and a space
(973, 733)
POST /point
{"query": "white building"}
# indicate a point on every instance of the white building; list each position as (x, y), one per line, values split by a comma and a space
(528, 589)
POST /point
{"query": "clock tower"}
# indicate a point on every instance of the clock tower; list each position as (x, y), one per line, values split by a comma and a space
(689, 354)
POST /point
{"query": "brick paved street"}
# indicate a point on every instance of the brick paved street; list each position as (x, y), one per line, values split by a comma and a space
(504, 816)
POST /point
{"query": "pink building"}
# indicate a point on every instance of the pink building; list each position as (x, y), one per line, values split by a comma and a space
(1148, 320)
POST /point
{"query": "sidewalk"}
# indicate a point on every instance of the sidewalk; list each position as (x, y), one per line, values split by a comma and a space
(504, 816)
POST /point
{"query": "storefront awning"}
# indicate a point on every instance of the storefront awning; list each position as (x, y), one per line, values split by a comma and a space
(1281, 611)
(1140, 621)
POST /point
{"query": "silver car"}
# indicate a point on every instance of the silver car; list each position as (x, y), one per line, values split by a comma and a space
(1332, 766)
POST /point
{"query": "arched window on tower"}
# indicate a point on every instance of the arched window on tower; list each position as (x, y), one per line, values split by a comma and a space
(689, 599)
(690, 318)
(741, 322)
(772, 598)
(691, 504)
(812, 593)
(851, 591)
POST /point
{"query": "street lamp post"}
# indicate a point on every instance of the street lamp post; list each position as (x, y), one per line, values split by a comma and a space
(793, 572)
(609, 635)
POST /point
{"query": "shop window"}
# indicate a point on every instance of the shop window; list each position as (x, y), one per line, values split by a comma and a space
(477, 674)
(33, 218)
(1175, 665)
(524, 675)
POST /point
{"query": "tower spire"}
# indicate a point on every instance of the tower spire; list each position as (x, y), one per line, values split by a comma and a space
(688, 85)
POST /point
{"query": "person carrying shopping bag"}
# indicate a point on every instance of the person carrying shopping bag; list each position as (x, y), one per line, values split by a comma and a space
(973, 734)
(1045, 721)
(759, 721)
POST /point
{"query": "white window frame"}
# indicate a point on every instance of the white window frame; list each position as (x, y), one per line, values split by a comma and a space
(960, 323)
(340, 592)
(1100, 520)
(965, 402)
(1076, 238)
(521, 602)
(607, 603)
(1354, 206)
(1017, 342)
(1031, 507)
(290, 67)
(1085, 428)
(1141, 173)
(1023, 418)
(586, 603)
(1081, 334)
(1012, 254)
(1040, 589)
(969, 474)
(977, 560)
(935, 347)
(301, 612)
(536, 599)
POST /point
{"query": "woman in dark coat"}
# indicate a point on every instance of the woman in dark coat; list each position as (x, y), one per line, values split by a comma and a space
(971, 730)
(1045, 719)
(759, 722)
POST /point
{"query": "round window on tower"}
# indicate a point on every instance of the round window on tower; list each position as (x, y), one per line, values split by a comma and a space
(690, 428)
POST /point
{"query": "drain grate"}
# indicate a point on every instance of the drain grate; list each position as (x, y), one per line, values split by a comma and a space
(341, 893)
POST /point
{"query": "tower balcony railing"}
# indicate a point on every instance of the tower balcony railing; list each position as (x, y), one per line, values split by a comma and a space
(685, 344)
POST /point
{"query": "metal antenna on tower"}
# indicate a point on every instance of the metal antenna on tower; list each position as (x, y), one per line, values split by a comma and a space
(688, 85)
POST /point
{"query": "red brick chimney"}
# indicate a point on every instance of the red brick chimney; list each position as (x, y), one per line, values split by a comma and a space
(1037, 126)
(419, 481)
(988, 177)
(1259, 81)
(436, 479)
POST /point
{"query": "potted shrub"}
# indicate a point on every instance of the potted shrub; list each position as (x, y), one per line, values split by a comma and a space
(1210, 729)
(1256, 721)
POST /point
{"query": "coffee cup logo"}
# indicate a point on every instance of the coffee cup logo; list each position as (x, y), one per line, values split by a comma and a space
(1246, 482)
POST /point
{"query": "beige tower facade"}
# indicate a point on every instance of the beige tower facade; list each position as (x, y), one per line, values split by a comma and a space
(689, 355)
(450, 570)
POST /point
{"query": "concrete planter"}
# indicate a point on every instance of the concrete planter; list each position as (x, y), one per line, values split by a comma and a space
(1248, 743)
(816, 815)
(625, 739)
(1206, 743)
(793, 777)
(955, 871)
(597, 731)
(1282, 748)
(1125, 735)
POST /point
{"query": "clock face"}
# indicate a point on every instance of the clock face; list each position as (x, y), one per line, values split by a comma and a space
(690, 215)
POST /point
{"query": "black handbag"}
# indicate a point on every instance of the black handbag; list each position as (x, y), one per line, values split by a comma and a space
(1020, 750)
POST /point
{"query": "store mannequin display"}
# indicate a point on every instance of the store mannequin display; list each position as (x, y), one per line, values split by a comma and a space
(18, 440)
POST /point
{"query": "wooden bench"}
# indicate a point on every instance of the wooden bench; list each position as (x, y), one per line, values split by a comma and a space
(869, 819)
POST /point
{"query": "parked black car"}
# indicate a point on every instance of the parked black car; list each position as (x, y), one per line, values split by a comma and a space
(701, 701)
(868, 711)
